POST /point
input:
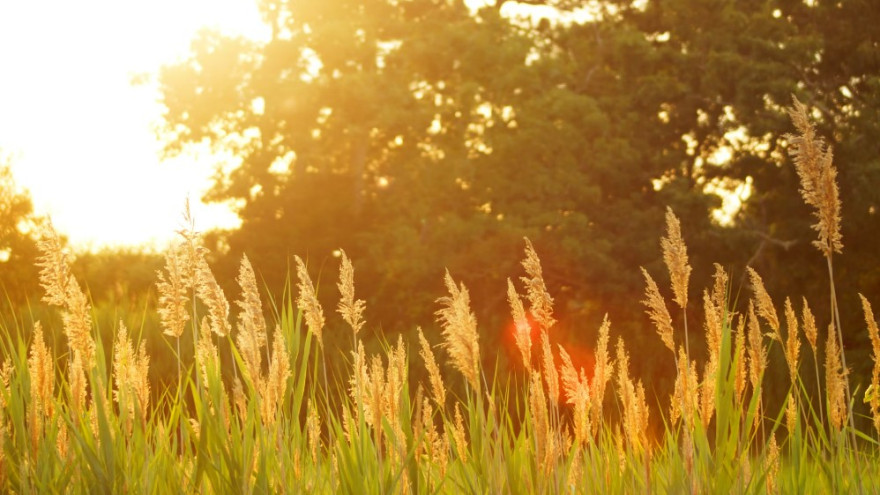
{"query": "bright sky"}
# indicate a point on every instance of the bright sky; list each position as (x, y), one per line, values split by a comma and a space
(81, 136)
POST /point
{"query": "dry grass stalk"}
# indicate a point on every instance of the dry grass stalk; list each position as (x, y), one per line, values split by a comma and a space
(130, 373)
(658, 312)
(771, 465)
(251, 336)
(551, 375)
(275, 384)
(63, 290)
(207, 358)
(740, 378)
(577, 393)
(541, 428)
(685, 401)
(396, 377)
(873, 399)
(438, 391)
(41, 368)
(460, 331)
(835, 385)
(209, 291)
(766, 309)
(308, 302)
(540, 302)
(173, 289)
(523, 330)
(76, 378)
(713, 327)
(810, 330)
(313, 430)
(375, 395)
(350, 308)
(710, 371)
(818, 176)
(757, 352)
(458, 434)
(719, 290)
(632, 396)
(602, 371)
(433, 444)
(707, 394)
(676, 258)
(360, 379)
(792, 343)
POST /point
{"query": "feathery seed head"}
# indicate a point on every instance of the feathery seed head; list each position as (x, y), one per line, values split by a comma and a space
(658, 312)
(551, 375)
(757, 352)
(173, 288)
(792, 343)
(676, 259)
(308, 302)
(719, 289)
(602, 371)
(540, 302)
(438, 391)
(834, 382)
(42, 374)
(460, 331)
(874, 333)
(818, 176)
(523, 333)
(209, 291)
(810, 330)
(766, 309)
(350, 309)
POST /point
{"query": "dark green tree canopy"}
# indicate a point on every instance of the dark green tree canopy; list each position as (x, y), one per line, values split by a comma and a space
(419, 135)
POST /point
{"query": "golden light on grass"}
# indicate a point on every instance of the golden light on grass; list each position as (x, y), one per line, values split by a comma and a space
(308, 302)
(872, 395)
(818, 175)
(658, 312)
(460, 331)
(350, 308)
(676, 258)
(540, 302)
(522, 328)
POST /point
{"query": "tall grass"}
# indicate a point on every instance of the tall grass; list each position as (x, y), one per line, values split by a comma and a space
(255, 410)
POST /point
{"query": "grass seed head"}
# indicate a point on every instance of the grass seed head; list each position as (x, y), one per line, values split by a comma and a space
(818, 175)
(766, 309)
(873, 399)
(792, 342)
(676, 258)
(540, 302)
(523, 330)
(658, 312)
(460, 331)
(551, 375)
(438, 391)
(308, 302)
(835, 384)
(810, 330)
(350, 308)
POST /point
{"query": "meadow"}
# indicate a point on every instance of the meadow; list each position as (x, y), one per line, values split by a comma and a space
(254, 409)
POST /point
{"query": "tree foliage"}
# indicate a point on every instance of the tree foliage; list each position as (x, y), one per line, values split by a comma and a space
(18, 223)
(420, 134)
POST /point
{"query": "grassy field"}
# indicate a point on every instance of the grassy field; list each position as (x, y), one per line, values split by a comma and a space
(253, 408)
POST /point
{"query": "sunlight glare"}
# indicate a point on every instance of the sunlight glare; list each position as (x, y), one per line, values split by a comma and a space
(82, 137)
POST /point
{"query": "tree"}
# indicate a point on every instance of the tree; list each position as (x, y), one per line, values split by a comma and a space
(18, 251)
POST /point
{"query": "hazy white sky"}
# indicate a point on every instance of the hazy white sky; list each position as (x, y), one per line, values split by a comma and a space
(80, 135)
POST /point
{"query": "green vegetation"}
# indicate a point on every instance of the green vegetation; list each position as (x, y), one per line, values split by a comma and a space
(253, 407)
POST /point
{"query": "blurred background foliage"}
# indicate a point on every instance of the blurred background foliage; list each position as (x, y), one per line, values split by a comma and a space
(423, 135)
